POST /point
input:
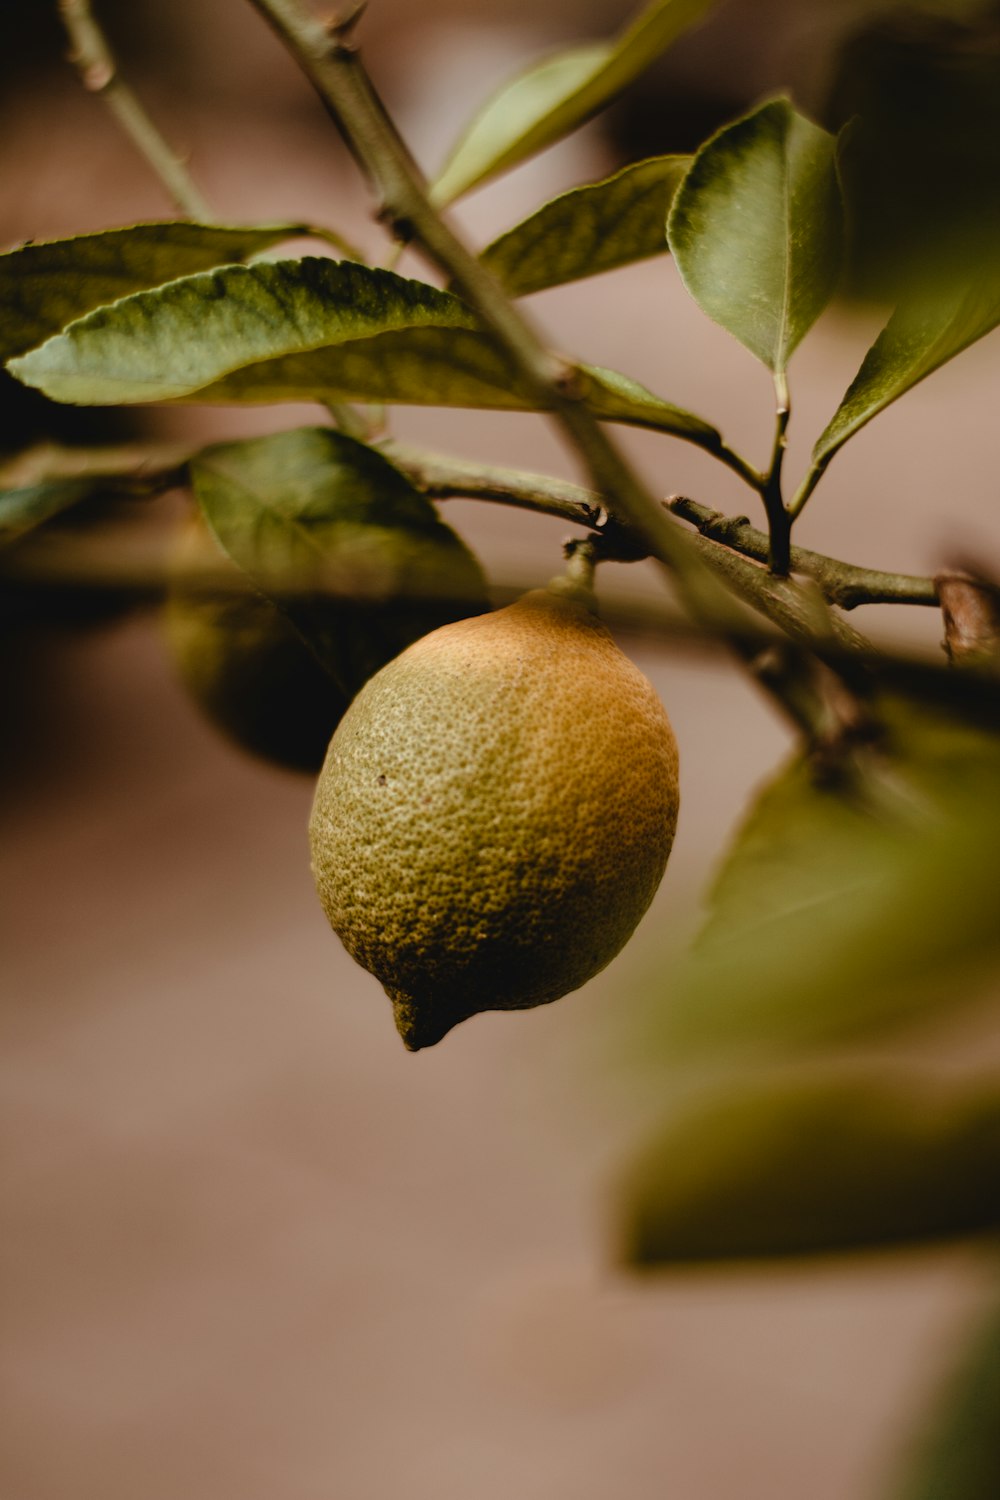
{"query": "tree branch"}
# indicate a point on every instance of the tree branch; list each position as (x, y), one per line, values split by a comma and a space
(783, 601)
(138, 565)
(95, 62)
(336, 73)
(801, 613)
(841, 583)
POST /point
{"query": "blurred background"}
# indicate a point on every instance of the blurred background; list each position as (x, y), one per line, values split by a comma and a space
(249, 1246)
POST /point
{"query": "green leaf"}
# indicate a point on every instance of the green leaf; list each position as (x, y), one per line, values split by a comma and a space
(590, 229)
(841, 911)
(23, 509)
(619, 398)
(432, 366)
(444, 367)
(923, 333)
(959, 1459)
(810, 1165)
(555, 96)
(756, 229)
(309, 330)
(337, 537)
(45, 286)
(166, 343)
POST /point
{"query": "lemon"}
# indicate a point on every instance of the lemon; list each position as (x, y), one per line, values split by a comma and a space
(495, 813)
(246, 666)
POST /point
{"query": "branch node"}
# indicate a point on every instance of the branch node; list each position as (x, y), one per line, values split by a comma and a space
(397, 224)
(616, 542)
(95, 77)
(565, 379)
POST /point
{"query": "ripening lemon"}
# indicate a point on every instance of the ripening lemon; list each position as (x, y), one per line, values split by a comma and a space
(495, 813)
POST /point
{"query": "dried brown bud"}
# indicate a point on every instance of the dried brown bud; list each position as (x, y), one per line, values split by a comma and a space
(971, 610)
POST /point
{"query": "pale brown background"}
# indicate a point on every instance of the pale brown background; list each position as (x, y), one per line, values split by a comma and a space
(250, 1248)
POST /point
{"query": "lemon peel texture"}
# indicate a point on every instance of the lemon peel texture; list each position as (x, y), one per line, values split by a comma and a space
(495, 813)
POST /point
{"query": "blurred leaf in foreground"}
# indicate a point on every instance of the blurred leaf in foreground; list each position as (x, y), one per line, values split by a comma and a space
(812, 1164)
(843, 909)
(556, 95)
(960, 1457)
(243, 661)
(920, 83)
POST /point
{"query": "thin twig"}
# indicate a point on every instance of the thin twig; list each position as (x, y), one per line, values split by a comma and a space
(99, 72)
(734, 461)
(444, 478)
(95, 62)
(782, 601)
(842, 583)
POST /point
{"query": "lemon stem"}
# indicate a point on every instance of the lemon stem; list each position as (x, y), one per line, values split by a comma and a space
(581, 563)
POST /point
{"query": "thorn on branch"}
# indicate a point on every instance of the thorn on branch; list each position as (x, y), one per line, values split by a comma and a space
(340, 29)
(566, 381)
(95, 77)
